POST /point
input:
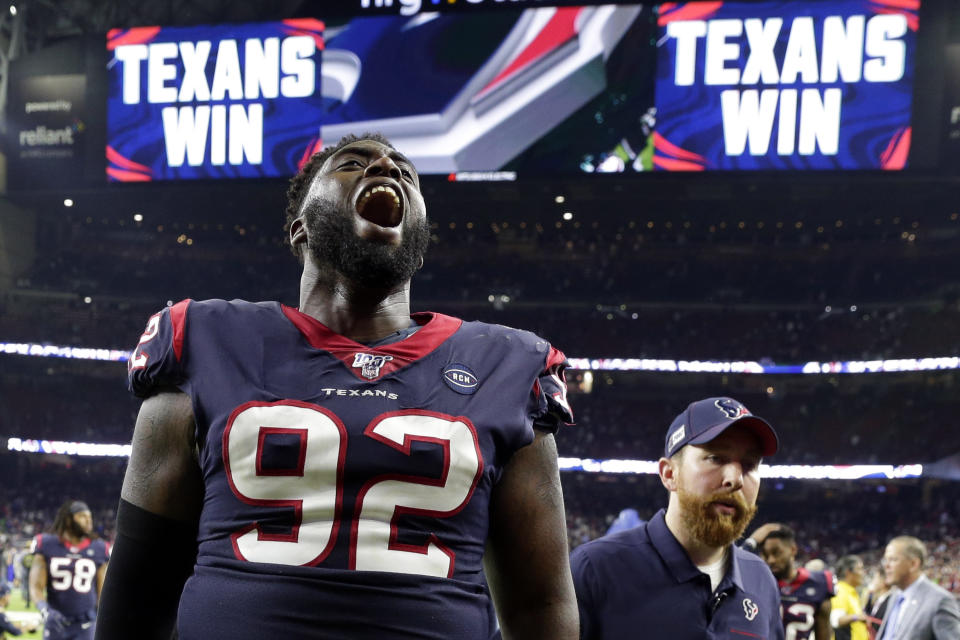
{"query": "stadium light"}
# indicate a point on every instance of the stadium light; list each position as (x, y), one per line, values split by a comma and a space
(586, 465)
(894, 365)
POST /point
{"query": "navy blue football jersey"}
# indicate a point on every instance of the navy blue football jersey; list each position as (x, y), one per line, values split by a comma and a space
(801, 599)
(346, 487)
(71, 572)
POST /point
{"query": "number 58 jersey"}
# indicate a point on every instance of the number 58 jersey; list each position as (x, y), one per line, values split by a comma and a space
(71, 572)
(347, 487)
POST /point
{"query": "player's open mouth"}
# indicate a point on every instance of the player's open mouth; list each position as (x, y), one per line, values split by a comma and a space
(381, 205)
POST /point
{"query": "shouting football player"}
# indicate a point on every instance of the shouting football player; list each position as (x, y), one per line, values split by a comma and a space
(344, 469)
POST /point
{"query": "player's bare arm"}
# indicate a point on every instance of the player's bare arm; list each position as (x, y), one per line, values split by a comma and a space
(824, 631)
(101, 576)
(526, 559)
(160, 504)
(38, 578)
(163, 476)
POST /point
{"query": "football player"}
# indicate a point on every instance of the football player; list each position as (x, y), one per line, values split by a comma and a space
(342, 469)
(7, 625)
(804, 595)
(67, 574)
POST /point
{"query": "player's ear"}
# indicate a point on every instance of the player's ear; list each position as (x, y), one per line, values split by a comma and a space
(420, 264)
(668, 468)
(298, 232)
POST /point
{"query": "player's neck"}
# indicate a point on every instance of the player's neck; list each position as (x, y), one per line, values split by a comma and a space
(359, 313)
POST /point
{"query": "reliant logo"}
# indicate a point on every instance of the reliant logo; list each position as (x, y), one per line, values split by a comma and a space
(43, 137)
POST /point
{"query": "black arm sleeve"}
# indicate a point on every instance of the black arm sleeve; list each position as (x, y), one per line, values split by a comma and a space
(151, 560)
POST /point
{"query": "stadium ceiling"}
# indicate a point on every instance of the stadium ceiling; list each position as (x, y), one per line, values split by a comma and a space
(31, 25)
(46, 21)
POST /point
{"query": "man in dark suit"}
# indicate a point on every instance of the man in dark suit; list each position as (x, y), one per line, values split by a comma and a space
(918, 609)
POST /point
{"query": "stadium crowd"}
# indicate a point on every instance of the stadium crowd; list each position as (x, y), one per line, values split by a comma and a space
(654, 330)
(871, 419)
(831, 518)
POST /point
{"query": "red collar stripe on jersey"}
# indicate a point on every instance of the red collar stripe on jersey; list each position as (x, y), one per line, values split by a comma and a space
(76, 547)
(178, 318)
(802, 576)
(435, 329)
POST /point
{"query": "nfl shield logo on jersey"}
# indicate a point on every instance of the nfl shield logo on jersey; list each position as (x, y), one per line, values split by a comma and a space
(370, 364)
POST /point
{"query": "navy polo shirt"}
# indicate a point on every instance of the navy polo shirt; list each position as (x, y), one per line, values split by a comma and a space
(641, 583)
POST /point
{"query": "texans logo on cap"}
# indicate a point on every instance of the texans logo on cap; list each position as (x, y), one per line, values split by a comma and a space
(731, 408)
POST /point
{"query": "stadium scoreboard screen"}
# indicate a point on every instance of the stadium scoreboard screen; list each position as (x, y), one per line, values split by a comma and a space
(785, 85)
(618, 88)
(213, 102)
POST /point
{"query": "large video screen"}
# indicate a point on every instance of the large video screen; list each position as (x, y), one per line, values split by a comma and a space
(785, 85)
(468, 91)
(549, 90)
(231, 101)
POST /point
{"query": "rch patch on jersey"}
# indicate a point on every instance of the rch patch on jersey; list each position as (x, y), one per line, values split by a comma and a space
(460, 378)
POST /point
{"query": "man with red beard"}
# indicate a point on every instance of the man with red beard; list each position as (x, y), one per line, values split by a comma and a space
(679, 576)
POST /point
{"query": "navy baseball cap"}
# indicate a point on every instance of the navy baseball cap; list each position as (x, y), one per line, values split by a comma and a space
(704, 420)
(4, 589)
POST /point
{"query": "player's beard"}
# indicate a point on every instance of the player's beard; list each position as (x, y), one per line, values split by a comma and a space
(333, 241)
(77, 530)
(706, 524)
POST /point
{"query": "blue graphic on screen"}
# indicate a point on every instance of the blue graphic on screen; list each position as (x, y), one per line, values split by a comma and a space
(214, 102)
(785, 85)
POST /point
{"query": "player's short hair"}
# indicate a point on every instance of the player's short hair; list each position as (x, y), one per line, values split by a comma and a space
(300, 183)
(913, 547)
(846, 564)
(783, 532)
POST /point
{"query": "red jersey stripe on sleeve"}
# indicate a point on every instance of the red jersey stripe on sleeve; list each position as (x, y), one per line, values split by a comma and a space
(178, 318)
(555, 357)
